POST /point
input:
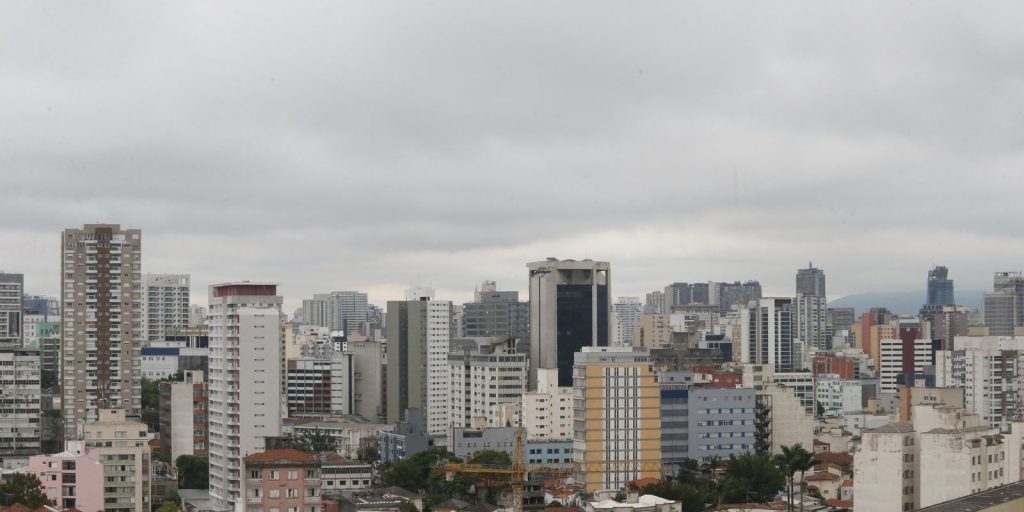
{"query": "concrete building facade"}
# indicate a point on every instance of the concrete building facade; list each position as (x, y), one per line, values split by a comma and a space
(122, 446)
(72, 479)
(184, 407)
(989, 370)
(337, 311)
(625, 320)
(101, 307)
(245, 380)
(483, 375)
(282, 480)
(768, 333)
(570, 308)
(496, 313)
(419, 335)
(20, 409)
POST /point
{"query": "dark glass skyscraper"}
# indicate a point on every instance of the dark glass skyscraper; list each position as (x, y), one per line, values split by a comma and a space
(940, 287)
(569, 310)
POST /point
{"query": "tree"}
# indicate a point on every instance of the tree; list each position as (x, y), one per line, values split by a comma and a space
(151, 404)
(23, 489)
(821, 408)
(193, 472)
(169, 506)
(415, 475)
(751, 477)
(369, 454)
(314, 441)
(762, 427)
(689, 471)
(792, 460)
(692, 498)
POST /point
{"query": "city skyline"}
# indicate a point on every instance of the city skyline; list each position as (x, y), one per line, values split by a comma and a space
(375, 148)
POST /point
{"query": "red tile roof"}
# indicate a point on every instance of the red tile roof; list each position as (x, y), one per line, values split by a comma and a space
(839, 503)
(833, 457)
(822, 476)
(286, 454)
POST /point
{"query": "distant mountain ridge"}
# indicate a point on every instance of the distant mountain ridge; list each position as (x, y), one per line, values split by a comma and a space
(908, 303)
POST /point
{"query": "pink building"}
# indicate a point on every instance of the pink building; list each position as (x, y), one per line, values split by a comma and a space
(282, 481)
(71, 479)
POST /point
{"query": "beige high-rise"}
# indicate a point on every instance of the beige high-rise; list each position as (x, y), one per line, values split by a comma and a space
(101, 299)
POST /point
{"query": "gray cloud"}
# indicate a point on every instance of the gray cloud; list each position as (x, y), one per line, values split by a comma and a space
(376, 145)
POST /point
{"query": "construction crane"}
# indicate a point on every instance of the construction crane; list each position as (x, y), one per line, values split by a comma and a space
(518, 473)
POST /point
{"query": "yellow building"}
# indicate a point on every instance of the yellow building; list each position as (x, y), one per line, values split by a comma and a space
(617, 417)
(653, 331)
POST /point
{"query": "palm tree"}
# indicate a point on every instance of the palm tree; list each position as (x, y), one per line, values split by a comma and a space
(794, 459)
(802, 461)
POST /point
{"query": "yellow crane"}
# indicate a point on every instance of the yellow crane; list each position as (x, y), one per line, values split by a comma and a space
(517, 473)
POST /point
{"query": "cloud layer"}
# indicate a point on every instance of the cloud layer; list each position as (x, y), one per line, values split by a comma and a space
(378, 145)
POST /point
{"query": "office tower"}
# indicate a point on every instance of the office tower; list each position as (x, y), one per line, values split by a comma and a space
(654, 303)
(1004, 307)
(122, 446)
(873, 326)
(12, 287)
(484, 373)
(45, 306)
(700, 293)
(940, 288)
(838, 321)
(496, 313)
(768, 333)
(418, 341)
(101, 303)
(810, 281)
(337, 311)
(736, 294)
(165, 309)
(702, 423)
(617, 416)
(625, 320)
(989, 369)
(947, 322)
(677, 294)
(570, 308)
(810, 319)
(184, 429)
(19, 404)
(368, 378)
(245, 380)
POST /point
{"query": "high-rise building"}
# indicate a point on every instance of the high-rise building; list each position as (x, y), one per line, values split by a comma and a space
(736, 294)
(368, 378)
(12, 288)
(165, 309)
(903, 361)
(184, 429)
(625, 320)
(122, 447)
(990, 370)
(101, 304)
(810, 281)
(19, 404)
(617, 417)
(496, 313)
(547, 412)
(768, 334)
(196, 315)
(570, 308)
(245, 380)
(1004, 307)
(320, 387)
(701, 423)
(337, 311)
(811, 323)
(484, 373)
(677, 294)
(654, 303)
(419, 336)
(940, 288)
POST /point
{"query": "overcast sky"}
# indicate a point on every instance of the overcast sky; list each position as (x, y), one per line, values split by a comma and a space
(377, 145)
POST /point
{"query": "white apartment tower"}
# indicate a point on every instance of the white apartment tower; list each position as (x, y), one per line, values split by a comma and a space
(484, 375)
(337, 311)
(19, 402)
(547, 413)
(625, 320)
(892, 356)
(244, 380)
(767, 336)
(166, 306)
(101, 331)
(989, 370)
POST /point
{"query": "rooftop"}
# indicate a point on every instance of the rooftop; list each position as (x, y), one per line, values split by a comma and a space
(898, 427)
(279, 456)
(1013, 493)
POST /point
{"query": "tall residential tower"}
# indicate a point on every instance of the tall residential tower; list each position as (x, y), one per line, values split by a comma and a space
(101, 306)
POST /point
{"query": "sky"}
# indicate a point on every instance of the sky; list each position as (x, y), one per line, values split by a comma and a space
(380, 145)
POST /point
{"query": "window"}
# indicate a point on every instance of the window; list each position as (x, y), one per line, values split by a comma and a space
(275, 493)
(254, 474)
(274, 475)
(293, 493)
(293, 475)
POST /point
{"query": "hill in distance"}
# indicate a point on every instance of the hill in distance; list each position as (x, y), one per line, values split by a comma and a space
(908, 303)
